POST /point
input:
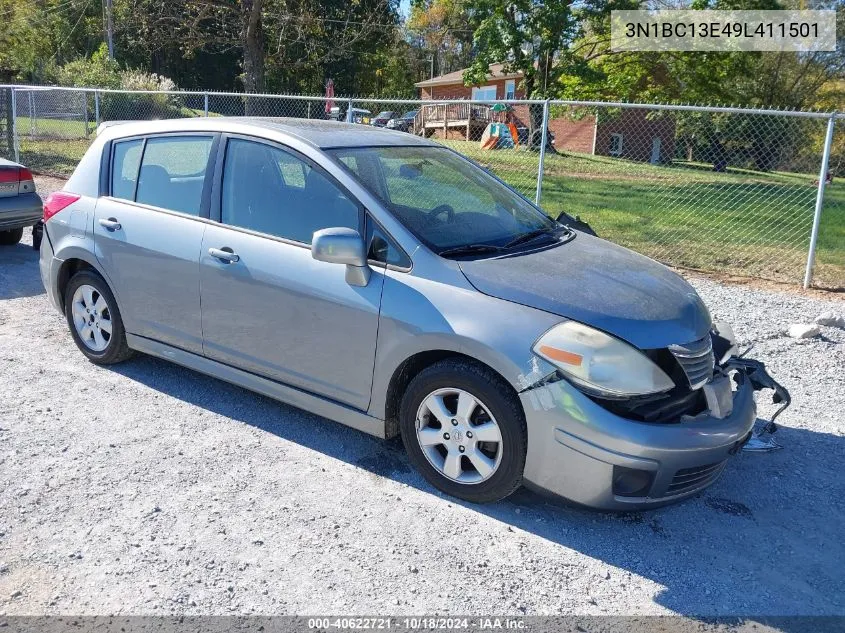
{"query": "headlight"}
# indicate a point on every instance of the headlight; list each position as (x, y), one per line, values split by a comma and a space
(600, 363)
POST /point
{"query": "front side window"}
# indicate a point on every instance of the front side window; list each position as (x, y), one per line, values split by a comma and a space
(446, 201)
(272, 191)
(172, 172)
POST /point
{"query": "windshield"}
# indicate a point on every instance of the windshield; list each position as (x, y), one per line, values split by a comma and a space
(446, 201)
(410, 115)
(385, 115)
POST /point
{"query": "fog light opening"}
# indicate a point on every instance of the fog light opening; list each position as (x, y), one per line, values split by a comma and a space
(631, 482)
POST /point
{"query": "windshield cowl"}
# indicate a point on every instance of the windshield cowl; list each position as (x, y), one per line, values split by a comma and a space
(527, 242)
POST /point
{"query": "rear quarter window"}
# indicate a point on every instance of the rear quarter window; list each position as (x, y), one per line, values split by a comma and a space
(126, 160)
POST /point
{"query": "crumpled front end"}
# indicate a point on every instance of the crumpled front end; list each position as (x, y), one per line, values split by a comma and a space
(641, 452)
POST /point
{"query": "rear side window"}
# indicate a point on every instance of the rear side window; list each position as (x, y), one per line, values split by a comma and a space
(124, 175)
(172, 172)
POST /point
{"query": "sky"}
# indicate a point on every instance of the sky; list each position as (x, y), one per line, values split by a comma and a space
(404, 7)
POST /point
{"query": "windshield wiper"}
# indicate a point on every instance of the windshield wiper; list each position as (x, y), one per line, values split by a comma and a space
(527, 237)
(472, 249)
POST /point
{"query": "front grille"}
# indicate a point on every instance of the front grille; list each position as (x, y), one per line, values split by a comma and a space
(696, 359)
(688, 479)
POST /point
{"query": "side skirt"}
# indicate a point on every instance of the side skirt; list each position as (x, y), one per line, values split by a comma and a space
(277, 391)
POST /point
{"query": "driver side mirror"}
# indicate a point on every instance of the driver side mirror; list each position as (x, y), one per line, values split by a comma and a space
(343, 246)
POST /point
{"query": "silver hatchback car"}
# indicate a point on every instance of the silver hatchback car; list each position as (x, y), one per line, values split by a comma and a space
(386, 282)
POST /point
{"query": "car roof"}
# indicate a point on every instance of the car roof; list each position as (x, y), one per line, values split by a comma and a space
(317, 132)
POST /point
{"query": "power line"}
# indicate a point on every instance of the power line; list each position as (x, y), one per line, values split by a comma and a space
(45, 12)
(76, 24)
(56, 12)
(109, 9)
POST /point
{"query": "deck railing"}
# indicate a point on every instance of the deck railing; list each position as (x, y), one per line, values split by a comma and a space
(452, 112)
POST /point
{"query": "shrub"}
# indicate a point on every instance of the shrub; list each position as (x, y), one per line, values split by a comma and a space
(96, 72)
(99, 71)
(143, 106)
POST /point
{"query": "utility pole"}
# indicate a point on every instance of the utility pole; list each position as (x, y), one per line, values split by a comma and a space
(107, 5)
(431, 59)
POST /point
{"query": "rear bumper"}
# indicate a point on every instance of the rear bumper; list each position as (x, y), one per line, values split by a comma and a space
(49, 267)
(20, 211)
(576, 449)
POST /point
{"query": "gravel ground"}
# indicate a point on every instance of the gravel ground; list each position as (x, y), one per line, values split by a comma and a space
(149, 489)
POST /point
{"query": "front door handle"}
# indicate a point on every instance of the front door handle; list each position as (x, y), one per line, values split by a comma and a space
(111, 224)
(224, 254)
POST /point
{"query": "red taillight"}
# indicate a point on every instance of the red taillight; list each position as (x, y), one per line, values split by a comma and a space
(57, 201)
(9, 174)
(20, 175)
(27, 182)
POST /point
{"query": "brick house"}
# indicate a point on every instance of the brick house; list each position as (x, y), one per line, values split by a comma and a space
(627, 134)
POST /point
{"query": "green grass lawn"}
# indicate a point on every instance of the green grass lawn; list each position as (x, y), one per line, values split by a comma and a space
(54, 128)
(742, 222)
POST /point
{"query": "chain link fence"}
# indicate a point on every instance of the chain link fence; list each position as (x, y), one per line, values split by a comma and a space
(724, 190)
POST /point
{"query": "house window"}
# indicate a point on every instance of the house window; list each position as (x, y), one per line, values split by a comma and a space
(510, 89)
(615, 145)
(484, 93)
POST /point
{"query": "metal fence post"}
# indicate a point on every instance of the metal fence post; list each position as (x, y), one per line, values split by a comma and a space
(97, 107)
(817, 216)
(205, 106)
(544, 141)
(349, 111)
(31, 102)
(15, 126)
(10, 127)
(85, 113)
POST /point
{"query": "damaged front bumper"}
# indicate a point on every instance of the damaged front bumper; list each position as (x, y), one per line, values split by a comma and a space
(581, 451)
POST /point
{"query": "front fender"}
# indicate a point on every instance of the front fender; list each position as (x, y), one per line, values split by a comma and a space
(421, 315)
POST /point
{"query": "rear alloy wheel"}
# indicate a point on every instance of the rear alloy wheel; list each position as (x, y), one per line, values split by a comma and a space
(94, 319)
(464, 430)
(10, 237)
(91, 318)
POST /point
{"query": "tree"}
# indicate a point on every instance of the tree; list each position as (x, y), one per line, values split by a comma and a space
(284, 45)
(533, 37)
(442, 31)
(252, 35)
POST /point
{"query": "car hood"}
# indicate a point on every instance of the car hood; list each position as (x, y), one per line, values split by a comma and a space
(599, 284)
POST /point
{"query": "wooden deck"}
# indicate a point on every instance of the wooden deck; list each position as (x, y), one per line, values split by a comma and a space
(470, 117)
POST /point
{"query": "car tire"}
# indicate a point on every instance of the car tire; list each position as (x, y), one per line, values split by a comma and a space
(461, 454)
(37, 235)
(10, 237)
(91, 310)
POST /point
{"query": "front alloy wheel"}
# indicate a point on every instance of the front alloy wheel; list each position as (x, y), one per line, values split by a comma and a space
(458, 436)
(464, 429)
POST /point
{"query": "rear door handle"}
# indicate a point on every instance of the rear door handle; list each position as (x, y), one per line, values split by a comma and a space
(111, 224)
(224, 254)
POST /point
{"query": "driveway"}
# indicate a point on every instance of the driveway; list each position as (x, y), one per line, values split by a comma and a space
(146, 488)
